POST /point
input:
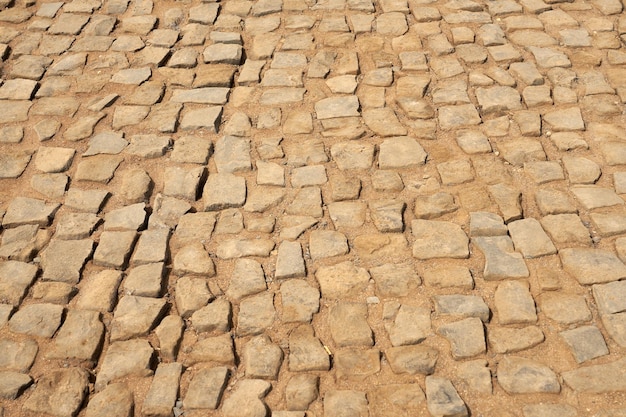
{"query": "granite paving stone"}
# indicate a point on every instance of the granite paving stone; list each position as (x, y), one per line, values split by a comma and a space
(13, 384)
(592, 266)
(518, 375)
(14, 164)
(114, 399)
(135, 316)
(206, 389)
(352, 363)
(18, 355)
(438, 239)
(23, 210)
(136, 185)
(461, 306)
(586, 343)
(246, 400)
(262, 358)
(124, 358)
(530, 239)
(256, 313)
(191, 295)
(214, 317)
(163, 392)
(442, 398)
(564, 308)
(509, 340)
(299, 301)
(449, 277)
(348, 325)
(99, 291)
(99, 168)
(306, 352)
(17, 277)
(609, 298)
(40, 320)
(301, 390)
(514, 303)
(246, 172)
(596, 378)
(169, 333)
(71, 384)
(80, 336)
(412, 359)
(289, 261)
(466, 337)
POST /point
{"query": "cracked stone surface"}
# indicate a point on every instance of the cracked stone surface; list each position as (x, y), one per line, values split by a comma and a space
(321, 207)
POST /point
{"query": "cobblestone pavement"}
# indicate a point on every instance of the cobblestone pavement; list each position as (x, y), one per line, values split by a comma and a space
(341, 208)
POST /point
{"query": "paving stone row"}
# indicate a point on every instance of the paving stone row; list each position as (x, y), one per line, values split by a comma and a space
(294, 207)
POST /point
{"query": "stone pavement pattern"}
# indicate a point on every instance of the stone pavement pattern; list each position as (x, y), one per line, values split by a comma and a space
(324, 208)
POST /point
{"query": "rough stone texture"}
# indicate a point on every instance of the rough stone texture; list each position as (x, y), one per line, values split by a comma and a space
(289, 262)
(214, 197)
(530, 239)
(70, 384)
(586, 343)
(246, 400)
(15, 279)
(462, 306)
(508, 340)
(215, 317)
(191, 295)
(114, 249)
(193, 259)
(442, 398)
(514, 303)
(519, 375)
(256, 313)
(80, 336)
(597, 379)
(564, 308)
(476, 375)
(115, 399)
(341, 280)
(17, 355)
(592, 266)
(301, 390)
(466, 337)
(437, 239)
(40, 320)
(206, 388)
(348, 325)
(131, 357)
(400, 152)
(63, 260)
(306, 352)
(411, 325)
(394, 280)
(22, 210)
(336, 402)
(247, 279)
(135, 316)
(414, 359)
(262, 358)
(12, 384)
(219, 180)
(299, 301)
(217, 349)
(163, 392)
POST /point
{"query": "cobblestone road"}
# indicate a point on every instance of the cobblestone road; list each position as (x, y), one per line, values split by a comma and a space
(341, 208)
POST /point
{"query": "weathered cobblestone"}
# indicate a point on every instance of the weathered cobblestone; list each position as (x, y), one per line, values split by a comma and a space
(268, 207)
